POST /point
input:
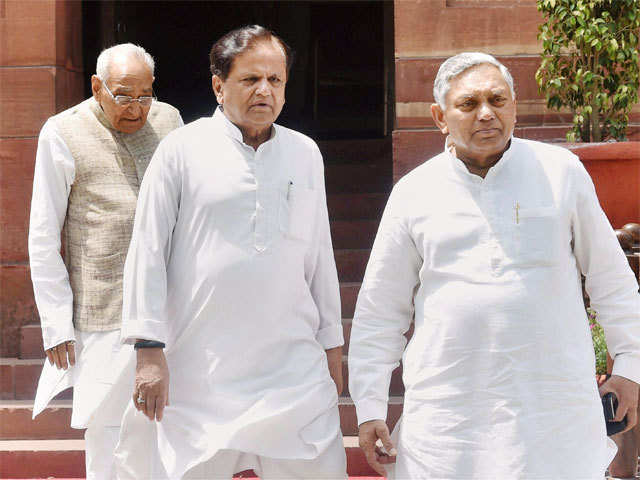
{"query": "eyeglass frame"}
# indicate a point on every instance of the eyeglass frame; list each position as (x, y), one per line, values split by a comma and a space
(130, 98)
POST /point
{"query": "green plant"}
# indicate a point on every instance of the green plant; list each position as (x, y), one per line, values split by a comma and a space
(599, 343)
(590, 63)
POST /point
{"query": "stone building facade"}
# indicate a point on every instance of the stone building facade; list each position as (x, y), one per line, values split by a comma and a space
(43, 43)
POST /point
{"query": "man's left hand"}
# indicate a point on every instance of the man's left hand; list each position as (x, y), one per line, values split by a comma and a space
(151, 393)
(626, 392)
(334, 359)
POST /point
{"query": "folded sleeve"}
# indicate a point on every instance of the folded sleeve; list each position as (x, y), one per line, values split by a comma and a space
(609, 280)
(53, 177)
(145, 272)
(384, 312)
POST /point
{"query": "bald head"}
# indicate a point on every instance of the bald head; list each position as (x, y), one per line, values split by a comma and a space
(120, 53)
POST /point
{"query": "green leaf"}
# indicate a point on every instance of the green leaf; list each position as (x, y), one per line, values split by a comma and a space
(572, 34)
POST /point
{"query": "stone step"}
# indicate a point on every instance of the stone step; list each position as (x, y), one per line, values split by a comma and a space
(351, 263)
(356, 206)
(53, 422)
(353, 233)
(65, 459)
(348, 297)
(31, 342)
(42, 459)
(358, 178)
(19, 379)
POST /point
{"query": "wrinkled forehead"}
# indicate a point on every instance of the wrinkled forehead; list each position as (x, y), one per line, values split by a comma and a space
(125, 69)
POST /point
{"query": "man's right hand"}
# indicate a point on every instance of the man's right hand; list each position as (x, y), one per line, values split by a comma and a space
(63, 354)
(369, 433)
(151, 393)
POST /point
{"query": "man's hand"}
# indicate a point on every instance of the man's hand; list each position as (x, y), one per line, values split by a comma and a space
(334, 359)
(627, 393)
(151, 393)
(63, 354)
(369, 434)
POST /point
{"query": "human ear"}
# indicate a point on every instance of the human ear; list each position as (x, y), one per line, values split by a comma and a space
(438, 116)
(216, 85)
(96, 84)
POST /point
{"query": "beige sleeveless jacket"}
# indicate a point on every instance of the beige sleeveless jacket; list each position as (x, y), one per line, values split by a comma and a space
(109, 166)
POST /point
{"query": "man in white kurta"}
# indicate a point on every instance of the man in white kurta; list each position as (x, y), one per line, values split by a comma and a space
(231, 268)
(486, 258)
(103, 138)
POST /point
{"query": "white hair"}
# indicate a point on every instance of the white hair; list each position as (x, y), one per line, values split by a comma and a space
(454, 66)
(103, 64)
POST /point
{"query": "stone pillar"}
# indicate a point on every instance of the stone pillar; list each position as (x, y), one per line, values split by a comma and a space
(40, 74)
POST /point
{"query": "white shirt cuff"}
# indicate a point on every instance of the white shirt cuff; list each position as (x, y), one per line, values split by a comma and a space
(145, 330)
(370, 409)
(331, 336)
(55, 334)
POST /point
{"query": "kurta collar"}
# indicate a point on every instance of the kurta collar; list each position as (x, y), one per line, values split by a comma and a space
(232, 130)
(461, 169)
(99, 113)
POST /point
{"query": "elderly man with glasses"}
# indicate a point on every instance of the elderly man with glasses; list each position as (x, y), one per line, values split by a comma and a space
(89, 165)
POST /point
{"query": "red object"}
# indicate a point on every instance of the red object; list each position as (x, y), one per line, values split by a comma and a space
(615, 170)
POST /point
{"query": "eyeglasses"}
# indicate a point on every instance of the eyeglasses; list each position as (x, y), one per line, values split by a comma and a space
(124, 100)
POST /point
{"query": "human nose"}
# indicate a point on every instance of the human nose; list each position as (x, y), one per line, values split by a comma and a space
(135, 106)
(485, 112)
(263, 87)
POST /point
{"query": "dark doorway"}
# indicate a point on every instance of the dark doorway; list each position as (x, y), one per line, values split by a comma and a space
(341, 82)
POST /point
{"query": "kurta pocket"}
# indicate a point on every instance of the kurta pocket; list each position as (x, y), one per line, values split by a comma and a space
(98, 292)
(100, 273)
(536, 236)
(297, 212)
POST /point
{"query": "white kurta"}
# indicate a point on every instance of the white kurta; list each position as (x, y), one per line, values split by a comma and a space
(499, 373)
(231, 265)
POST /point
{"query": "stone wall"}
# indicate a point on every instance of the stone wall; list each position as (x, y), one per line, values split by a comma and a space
(429, 31)
(40, 74)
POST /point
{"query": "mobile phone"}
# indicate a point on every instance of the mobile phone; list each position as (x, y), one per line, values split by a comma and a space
(609, 406)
